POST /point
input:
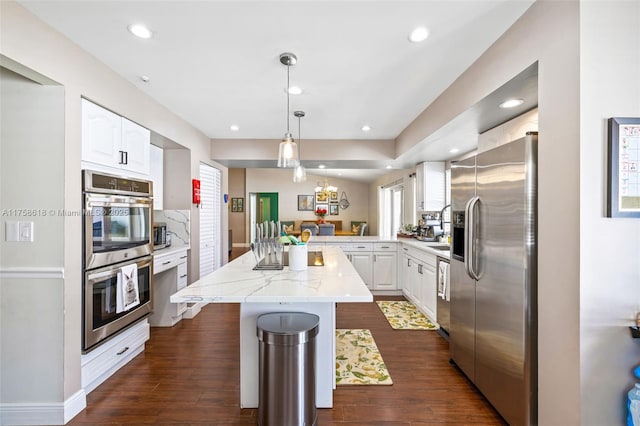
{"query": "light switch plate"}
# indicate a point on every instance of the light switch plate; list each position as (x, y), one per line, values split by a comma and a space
(26, 231)
(11, 230)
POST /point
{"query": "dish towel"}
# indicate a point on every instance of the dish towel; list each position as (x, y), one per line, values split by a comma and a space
(127, 294)
(443, 279)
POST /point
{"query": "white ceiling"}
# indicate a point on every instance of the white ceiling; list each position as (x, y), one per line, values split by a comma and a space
(216, 63)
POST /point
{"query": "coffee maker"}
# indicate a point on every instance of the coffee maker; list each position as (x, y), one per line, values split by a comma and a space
(429, 228)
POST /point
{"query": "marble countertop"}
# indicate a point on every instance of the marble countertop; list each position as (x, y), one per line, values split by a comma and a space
(237, 282)
(173, 248)
(427, 247)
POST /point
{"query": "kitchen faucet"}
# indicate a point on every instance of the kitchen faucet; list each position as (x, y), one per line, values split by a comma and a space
(442, 217)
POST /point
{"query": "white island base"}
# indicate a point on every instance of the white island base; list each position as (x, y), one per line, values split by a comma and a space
(325, 349)
(315, 290)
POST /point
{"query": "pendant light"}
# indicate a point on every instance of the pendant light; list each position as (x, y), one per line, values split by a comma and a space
(299, 172)
(288, 150)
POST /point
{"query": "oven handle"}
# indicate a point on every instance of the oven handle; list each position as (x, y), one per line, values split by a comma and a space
(112, 270)
(116, 201)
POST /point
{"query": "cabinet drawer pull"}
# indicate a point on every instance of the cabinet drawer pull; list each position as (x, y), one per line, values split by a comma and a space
(361, 247)
(385, 246)
(183, 276)
(405, 249)
(121, 157)
(166, 263)
(123, 351)
(183, 257)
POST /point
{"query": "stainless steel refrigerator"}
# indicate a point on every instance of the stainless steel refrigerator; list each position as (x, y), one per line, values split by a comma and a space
(493, 335)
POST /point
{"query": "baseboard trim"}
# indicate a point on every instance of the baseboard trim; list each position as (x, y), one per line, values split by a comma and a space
(386, 292)
(192, 310)
(48, 413)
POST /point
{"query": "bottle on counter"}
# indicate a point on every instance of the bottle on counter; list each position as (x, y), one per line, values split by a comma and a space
(633, 402)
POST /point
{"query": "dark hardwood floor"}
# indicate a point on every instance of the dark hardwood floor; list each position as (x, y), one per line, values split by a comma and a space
(190, 374)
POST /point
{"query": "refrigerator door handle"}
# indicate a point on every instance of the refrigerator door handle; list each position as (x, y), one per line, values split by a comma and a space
(469, 237)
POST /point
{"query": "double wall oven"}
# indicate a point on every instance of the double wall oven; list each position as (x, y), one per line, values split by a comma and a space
(117, 234)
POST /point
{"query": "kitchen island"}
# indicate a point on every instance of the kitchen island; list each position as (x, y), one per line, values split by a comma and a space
(316, 291)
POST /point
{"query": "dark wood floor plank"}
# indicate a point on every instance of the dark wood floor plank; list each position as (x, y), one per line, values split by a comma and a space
(189, 374)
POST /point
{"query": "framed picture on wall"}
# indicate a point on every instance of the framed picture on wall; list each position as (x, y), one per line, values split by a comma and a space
(324, 207)
(334, 196)
(237, 205)
(305, 203)
(322, 197)
(334, 209)
(623, 177)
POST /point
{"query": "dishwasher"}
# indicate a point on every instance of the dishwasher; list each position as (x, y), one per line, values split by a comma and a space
(443, 310)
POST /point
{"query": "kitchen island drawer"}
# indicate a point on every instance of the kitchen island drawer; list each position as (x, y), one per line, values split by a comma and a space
(385, 247)
(360, 247)
(100, 363)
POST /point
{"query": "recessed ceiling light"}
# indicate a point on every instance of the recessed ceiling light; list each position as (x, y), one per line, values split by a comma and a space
(389, 166)
(510, 103)
(140, 30)
(454, 150)
(144, 78)
(419, 34)
(234, 128)
(295, 90)
(366, 128)
(321, 166)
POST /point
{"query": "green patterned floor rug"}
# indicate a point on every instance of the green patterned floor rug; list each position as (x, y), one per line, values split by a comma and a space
(358, 360)
(403, 315)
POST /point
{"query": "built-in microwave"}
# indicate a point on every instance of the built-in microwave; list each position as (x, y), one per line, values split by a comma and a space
(161, 238)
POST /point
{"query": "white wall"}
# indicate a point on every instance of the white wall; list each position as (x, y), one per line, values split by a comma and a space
(237, 219)
(609, 247)
(281, 181)
(27, 41)
(31, 300)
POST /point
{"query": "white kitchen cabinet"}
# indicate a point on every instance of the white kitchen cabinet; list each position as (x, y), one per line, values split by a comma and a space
(385, 266)
(112, 143)
(430, 186)
(362, 262)
(419, 280)
(405, 274)
(101, 135)
(136, 142)
(99, 364)
(428, 289)
(169, 276)
(156, 174)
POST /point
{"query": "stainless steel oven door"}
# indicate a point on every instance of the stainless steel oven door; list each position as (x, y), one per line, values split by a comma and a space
(100, 318)
(116, 228)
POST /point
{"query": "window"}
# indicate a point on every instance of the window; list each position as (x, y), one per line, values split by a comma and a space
(391, 209)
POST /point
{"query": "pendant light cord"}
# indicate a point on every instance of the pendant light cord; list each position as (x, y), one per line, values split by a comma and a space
(299, 142)
(288, 66)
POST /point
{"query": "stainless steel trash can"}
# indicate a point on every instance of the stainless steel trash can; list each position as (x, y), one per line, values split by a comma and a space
(287, 385)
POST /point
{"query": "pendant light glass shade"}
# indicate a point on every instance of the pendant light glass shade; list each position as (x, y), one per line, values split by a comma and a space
(299, 172)
(288, 150)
